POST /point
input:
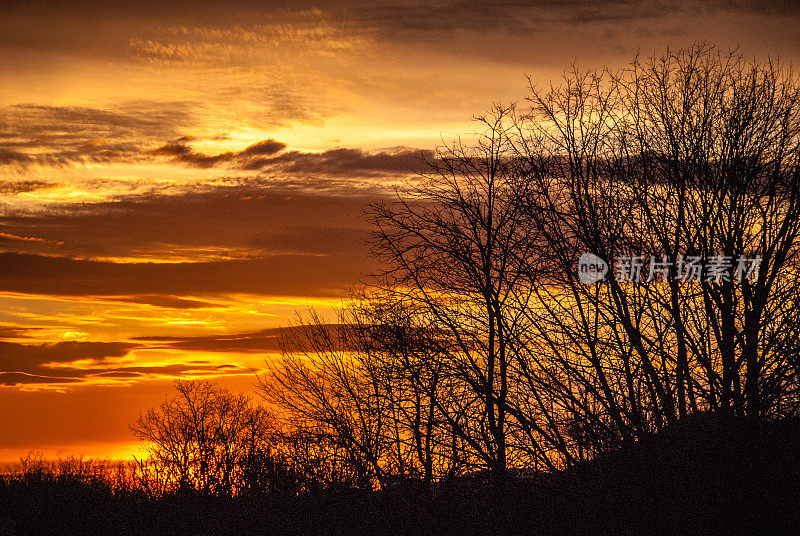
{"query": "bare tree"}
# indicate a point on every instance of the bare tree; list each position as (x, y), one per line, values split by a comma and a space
(204, 438)
(453, 248)
(412, 357)
(367, 385)
(324, 380)
(691, 154)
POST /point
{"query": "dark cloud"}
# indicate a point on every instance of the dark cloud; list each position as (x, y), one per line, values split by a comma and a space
(22, 364)
(31, 358)
(528, 17)
(295, 337)
(180, 152)
(345, 162)
(247, 238)
(266, 155)
(542, 35)
(26, 125)
(22, 355)
(529, 33)
(122, 374)
(180, 369)
(263, 148)
(78, 376)
(9, 157)
(401, 14)
(29, 363)
(59, 136)
(251, 219)
(277, 275)
(9, 331)
(170, 302)
(22, 186)
(488, 16)
(20, 378)
(267, 340)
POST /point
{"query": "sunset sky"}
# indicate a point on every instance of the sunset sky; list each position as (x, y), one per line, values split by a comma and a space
(178, 178)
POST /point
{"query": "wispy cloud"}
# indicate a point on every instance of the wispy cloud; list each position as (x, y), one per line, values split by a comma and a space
(280, 33)
(58, 136)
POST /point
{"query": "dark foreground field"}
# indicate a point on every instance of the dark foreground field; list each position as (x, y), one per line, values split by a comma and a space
(704, 477)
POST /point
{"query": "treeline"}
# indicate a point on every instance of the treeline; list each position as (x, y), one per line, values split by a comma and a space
(203, 440)
(706, 475)
(105, 475)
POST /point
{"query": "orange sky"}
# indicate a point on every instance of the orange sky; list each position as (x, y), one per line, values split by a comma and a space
(177, 179)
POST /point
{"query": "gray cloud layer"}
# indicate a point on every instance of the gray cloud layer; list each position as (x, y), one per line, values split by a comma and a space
(245, 239)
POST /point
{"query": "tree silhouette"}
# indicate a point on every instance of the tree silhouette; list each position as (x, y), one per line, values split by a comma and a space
(691, 154)
(204, 438)
(453, 247)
